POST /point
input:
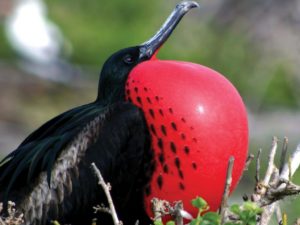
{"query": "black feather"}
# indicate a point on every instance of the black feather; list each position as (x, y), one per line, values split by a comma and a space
(51, 157)
(116, 139)
(40, 146)
(35, 161)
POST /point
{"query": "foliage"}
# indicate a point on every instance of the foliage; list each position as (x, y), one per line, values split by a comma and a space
(208, 218)
(203, 217)
(246, 213)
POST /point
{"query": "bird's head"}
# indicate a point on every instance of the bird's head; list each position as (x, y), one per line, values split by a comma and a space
(118, 66)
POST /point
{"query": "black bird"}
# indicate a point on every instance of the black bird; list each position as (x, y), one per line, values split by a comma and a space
(49, 175)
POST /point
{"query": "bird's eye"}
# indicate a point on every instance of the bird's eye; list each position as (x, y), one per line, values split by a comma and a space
(128, 59)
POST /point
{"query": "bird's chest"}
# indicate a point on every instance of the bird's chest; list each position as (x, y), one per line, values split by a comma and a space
(194, 129)
(173, 142)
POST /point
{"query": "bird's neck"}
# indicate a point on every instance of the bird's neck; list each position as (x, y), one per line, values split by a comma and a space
(108, 94)
(111, 88)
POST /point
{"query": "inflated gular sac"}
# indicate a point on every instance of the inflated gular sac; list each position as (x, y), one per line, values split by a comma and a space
(197, 120)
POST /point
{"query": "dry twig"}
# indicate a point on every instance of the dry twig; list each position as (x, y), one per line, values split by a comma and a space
(276, 184)
(161, 208)
(13, 217)
(271, 165)
(283, 153)
(257, 176)
(177, 213)
(278, 214)
(106, 188)
(248, 161)
(226, 189)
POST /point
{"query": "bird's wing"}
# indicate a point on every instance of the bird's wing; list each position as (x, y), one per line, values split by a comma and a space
(53, 163)
(40, 149)
(122, 154)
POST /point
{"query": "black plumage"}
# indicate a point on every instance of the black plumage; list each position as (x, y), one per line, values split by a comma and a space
(49, 176)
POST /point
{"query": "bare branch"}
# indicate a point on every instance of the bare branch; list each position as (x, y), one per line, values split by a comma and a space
(262, 186)
(177, 213)
(159, 208)
(267, 214)
(13, 216)
(106, 188)
(295, 163)
(226, 189)
(270, 167)
(257, 177)
(278, 214)
(248, 161)
(101, 208)
(283, 153)
(276, 184)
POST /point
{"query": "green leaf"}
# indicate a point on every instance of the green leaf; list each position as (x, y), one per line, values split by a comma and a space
(196, 221)
(171, 222)
(54, 222)
(252, 222)
(235, 209)
(212, 217)
(244, 216)
(206, 222)
(253, 207)
(158, 222)
(250, 206)
(259, 211)
(199, 203)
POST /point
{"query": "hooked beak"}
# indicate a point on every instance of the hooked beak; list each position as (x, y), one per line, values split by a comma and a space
(149, 48)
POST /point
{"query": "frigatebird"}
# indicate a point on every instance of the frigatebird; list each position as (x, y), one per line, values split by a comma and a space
(49, 176)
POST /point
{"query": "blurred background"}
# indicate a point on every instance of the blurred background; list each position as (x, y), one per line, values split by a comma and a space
(51, 53)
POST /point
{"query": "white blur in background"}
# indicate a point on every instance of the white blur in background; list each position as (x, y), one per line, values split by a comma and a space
(42, 48)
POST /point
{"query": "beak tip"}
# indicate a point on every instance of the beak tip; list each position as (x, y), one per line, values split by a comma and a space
(187, 5)
(150, 47)
(195, 4)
